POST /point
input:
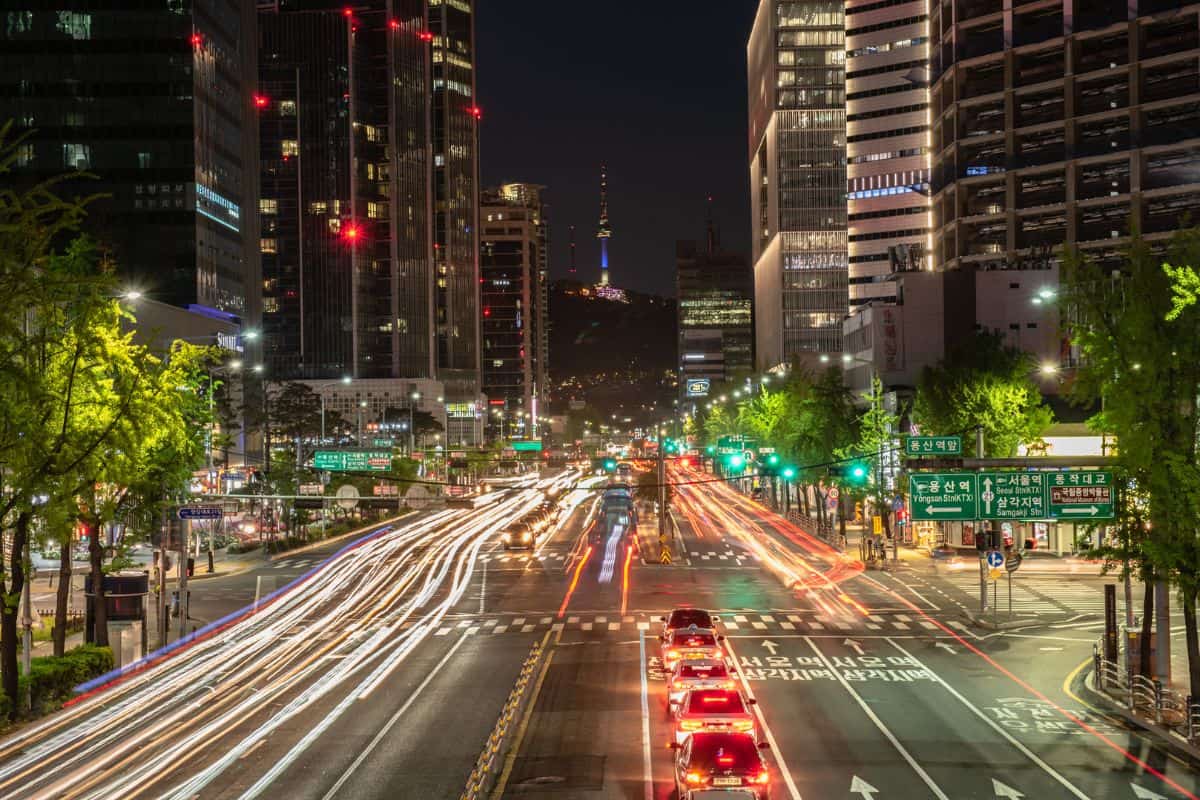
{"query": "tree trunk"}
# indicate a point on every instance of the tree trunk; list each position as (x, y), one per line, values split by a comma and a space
(1147, 626)
(803, 491)
(1193, 640)
(63, 597)
(842, 516)
(99, 604)
(10, 609)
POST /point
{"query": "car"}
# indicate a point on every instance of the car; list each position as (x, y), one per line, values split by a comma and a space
(518, 534)
(710, 761)
(718, 794)
(684, 617)
(713, 711)
(691, 643)
(698, 675)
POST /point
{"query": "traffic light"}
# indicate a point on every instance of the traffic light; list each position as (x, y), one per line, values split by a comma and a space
(610, 465)
(788, 473)
(737, 462)
(853, 472)
(710, 449)
(772, 460)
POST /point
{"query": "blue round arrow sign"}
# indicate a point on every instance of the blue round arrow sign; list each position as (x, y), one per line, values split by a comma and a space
(995, 559)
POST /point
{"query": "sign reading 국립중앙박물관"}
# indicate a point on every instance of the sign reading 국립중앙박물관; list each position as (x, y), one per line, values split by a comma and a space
(942, 496)
(1080, 494)
(353, 460)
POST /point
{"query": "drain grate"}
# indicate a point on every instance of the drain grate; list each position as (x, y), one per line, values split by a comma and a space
(555, 773)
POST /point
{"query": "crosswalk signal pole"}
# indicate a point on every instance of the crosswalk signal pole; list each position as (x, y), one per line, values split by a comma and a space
(983, 587)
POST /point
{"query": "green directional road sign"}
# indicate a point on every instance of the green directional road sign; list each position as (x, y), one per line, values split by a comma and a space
(1080, 494)
(1012, 495)
(353, 460)
(933, 446)
(383, 442)
(941, 496)
(528, 446)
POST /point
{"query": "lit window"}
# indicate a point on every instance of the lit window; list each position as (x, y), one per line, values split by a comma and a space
(289, 147)
(376, 210)
(268, 245)
(287, 108)
(270, 305)
(318, 208)
(77, 156)
(268, 206)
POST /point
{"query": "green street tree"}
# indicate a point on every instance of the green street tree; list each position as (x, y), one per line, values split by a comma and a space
(1138, 335)
(983, 383)
(877, 429)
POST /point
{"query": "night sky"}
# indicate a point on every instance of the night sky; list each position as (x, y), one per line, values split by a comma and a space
(655, 90)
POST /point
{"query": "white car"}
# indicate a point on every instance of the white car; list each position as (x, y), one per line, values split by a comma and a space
(706, 674)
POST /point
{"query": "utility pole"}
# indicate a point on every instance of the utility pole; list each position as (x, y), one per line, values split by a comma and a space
(662, 491)
(983, 588)
(183, 587)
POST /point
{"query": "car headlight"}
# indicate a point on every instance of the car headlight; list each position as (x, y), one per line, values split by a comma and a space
(506, 538)
(525, 537)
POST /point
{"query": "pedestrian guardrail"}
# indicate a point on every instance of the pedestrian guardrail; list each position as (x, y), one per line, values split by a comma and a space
(485, 773)
(1146, 697)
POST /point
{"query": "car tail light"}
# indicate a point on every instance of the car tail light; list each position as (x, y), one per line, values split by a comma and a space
(729, 685)
(725, 761)
(694, 778)
(715, 699)
(761, 777)
(672, 654)
(718, 653)
(691, 725)
(743, 725)
(682, 684)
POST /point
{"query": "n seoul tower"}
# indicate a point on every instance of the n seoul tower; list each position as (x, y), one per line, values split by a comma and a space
(603, 232)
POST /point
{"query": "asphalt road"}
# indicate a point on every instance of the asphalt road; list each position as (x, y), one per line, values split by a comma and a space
(382, 675)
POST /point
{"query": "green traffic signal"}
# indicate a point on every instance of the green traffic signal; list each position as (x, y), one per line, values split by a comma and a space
(772, 459)
(610, 465)
(858, 473)
(737, 462)
(789, 473)
(710, 449)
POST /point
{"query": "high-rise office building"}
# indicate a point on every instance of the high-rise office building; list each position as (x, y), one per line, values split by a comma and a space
(455, 136)
(887, 144)
(345, 208)
(157, 102)
(514, 273)
(796, 68)
(715, 311)
(1058, 124)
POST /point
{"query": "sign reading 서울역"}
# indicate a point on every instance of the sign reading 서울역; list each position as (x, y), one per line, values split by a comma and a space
(933, 446)
(353, 460)
(941, 496)
(1012, 495)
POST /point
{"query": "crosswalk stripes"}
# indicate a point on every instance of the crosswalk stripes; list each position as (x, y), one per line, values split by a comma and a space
(1039, 595)
(522, 558)
(795, 624)
(728, 557)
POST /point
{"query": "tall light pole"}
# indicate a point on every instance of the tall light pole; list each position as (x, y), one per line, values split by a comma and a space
(345, 381)
(412, 400)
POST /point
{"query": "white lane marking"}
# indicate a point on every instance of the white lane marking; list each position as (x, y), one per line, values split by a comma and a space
(762, 724)
(891, 737)
(991, 724)
(647, 768)
(412, 698)
(483, 587)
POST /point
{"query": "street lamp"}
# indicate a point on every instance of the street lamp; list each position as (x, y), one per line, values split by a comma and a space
(413, 398)
(345, 381)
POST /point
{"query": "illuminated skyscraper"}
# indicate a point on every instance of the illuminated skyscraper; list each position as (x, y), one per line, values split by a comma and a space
(603, 231)
(796, 67)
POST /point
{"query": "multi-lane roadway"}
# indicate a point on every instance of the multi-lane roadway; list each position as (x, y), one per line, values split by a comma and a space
(381, 671)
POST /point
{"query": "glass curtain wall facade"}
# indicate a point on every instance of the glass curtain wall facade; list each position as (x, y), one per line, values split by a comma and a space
(887, 119)
(715, 313)
(513, 270)
(156, 100)
(456, 185)
(345, 176)
(796, 68)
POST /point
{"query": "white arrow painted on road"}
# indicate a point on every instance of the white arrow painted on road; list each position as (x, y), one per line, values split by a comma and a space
(1005, 791)
(771, 646)
(1092, 510)
(946, 647)
(951, 510)
(861, 787)
(1142, 793)
(852, 643)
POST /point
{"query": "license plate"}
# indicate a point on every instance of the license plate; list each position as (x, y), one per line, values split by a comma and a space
(727, 781)
(693, 655)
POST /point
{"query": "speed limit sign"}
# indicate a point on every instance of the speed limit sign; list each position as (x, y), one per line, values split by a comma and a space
(834, 493)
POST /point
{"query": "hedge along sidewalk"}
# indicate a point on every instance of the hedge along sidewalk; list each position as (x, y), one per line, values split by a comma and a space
(51, 680)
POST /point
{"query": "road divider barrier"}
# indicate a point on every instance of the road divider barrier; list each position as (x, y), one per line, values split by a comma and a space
(1146, 698)
(483, 777)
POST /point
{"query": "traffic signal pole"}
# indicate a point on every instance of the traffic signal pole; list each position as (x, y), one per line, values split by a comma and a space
(662, 491)
(983, 587)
